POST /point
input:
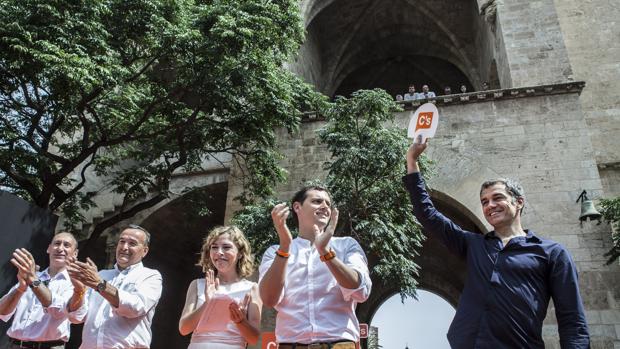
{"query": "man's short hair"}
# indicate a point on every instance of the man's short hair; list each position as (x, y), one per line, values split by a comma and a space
(513, 187)
(75, 242)
(301, 195)
(147, 235)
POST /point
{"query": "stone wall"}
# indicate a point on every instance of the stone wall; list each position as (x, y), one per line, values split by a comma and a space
(591, 32)
(533, 41)
(541, 140)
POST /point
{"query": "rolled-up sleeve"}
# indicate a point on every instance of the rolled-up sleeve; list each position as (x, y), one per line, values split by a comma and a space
(60, 299)
(265, 264)
(7, 317)
(140, 297)
(355, 258)
(78, 315)
(266, 261)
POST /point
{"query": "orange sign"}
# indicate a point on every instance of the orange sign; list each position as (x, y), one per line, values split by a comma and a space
(425, 120)
(269, 341)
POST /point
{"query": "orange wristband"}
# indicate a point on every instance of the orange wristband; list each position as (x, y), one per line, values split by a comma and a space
(81, 294)
(282, 254)
(329, 255)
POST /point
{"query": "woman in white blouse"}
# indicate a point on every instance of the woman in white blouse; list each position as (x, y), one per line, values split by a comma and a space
(223, 310)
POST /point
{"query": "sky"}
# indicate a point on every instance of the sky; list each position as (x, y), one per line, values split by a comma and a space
(418, 324)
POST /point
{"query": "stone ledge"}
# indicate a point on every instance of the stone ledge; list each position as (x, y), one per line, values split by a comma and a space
(492, 95)
(483, 96)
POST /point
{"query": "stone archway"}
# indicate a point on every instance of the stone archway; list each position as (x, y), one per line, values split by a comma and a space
(354, 44)
(178, 230)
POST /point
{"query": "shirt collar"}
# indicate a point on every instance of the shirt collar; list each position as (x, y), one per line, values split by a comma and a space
(128, 269)
(303, 242)
(45, 275)
(529, 237)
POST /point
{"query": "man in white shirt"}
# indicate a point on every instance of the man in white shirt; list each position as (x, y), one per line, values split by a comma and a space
(118, 308)
(426, 93)
(37, 303)
(411, 94)
(314, 281)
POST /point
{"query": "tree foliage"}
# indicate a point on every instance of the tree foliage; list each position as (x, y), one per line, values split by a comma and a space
(137, 90)
(610, 209)
(365, 180)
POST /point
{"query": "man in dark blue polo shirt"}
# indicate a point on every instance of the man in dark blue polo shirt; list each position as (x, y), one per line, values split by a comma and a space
(511, 272)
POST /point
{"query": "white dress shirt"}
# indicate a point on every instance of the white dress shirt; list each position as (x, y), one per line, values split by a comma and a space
(425, 95)
(32, 321)
(129, 325)
(313, 307)
(411, 96)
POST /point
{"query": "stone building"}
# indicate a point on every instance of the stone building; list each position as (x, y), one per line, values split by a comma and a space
(551, 118)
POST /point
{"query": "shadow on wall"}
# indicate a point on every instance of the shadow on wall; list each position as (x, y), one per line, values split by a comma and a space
(23, 225)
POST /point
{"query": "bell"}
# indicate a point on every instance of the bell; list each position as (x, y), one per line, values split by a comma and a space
(589, 211)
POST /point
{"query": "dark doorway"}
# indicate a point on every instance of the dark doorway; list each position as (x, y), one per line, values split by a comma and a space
(178, 230)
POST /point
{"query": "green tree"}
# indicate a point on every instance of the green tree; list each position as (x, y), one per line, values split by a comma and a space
(365, 179)
(136, 90)
(610, 209)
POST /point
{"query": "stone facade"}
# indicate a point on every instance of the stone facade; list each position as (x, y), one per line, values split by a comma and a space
(543, 141)
(556, 144)
(592, 35)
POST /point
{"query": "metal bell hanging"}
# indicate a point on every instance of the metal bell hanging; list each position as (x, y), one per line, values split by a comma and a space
(588, 211)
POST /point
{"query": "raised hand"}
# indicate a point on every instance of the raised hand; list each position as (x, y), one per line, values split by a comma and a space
(238, 311)
(211, 285)
(417, 148)
(279, 214)
(84, 272)
(321, 240)
(26, 267)
(22, 284)
(78, 286)
(413, 153)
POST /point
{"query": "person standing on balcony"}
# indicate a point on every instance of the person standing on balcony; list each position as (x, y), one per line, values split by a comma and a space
(425, 94)
(411, 94)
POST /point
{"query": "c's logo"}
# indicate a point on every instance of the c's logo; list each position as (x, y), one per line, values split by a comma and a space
(425, 119)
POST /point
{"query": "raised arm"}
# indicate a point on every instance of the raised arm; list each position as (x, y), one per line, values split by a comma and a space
(272, 282)
(26, 268)
(192, 312)
(346, 276)
(9, 301)
(433, 221)
(413, 154)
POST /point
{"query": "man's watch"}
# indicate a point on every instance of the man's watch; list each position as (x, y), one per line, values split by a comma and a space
(101, 286)
(36, 283)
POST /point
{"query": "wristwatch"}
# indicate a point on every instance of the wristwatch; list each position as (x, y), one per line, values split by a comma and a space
(36, 283)
(101, 286)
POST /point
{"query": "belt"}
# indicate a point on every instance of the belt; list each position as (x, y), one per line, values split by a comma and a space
(36, 345)
(331, 345)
